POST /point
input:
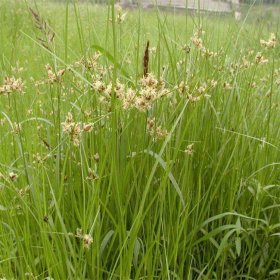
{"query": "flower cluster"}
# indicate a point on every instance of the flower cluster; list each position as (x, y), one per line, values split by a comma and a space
(149, 91)
(92, 175)
(183, 88)
(270, 43)
(198, 42)
(91, 62)
(17, 128)
(120, 15)
(157, 132)
(75, 129)
(13, 176)
(189, 149)
(10, 85)
(227, 86)
(86, 238)
(197, 38)
(259, 59)
(199, 91)
(54, 77)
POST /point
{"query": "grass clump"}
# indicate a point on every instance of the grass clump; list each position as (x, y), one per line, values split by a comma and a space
(122, 159)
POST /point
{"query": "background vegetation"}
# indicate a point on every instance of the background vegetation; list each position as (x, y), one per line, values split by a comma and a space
(106, 174)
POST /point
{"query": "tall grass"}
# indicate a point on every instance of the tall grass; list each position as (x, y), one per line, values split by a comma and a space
(106, 174)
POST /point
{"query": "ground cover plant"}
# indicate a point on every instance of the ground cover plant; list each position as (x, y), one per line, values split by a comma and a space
(138, 144)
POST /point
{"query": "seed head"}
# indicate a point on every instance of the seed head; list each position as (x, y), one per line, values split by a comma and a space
(189, 150)
(270, 43)
(259, 59)
(13, 176)
(87, 241)
(11, 84)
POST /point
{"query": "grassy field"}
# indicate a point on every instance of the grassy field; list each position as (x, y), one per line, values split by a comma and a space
(111, 169)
